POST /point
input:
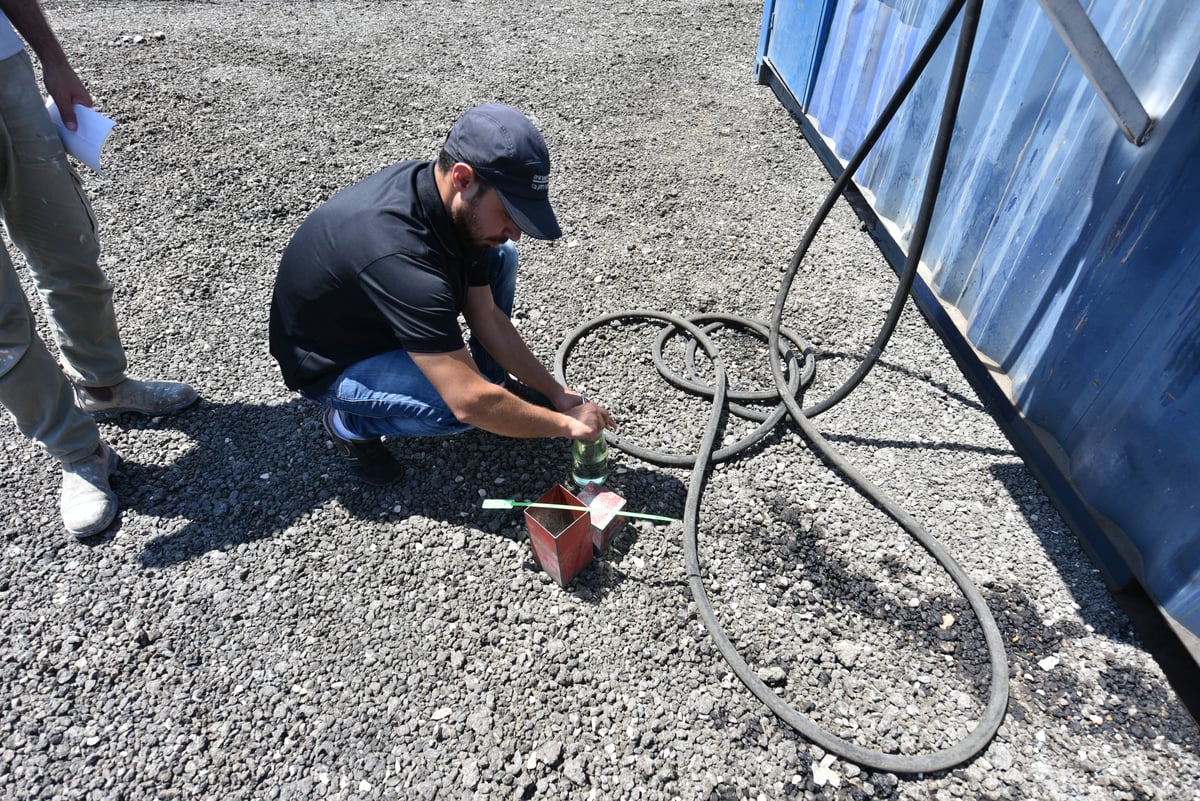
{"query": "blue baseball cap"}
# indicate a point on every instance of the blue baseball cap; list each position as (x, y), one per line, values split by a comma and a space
(507, 152)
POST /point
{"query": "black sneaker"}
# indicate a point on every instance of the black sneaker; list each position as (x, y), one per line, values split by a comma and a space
(367, 459)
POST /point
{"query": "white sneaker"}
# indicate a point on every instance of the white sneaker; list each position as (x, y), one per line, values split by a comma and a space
(139, 397)
(88, 504)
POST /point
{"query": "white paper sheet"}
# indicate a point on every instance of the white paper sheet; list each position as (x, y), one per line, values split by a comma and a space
(85, 142)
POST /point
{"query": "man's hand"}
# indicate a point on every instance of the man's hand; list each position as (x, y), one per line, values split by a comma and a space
(592, 417)
(577, 407)
(65, 86)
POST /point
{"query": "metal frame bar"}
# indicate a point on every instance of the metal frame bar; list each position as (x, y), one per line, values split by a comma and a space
(1075, 28)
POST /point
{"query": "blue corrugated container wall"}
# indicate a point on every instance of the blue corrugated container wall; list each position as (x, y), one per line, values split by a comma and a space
(1067, 255)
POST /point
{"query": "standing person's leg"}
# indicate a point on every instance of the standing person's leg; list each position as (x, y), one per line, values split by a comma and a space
(32, 385)
(50, 220)
(38, 396)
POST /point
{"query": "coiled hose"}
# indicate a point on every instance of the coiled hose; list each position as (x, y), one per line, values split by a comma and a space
(787, 349)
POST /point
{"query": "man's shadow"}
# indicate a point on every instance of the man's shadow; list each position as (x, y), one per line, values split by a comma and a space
(253, 471)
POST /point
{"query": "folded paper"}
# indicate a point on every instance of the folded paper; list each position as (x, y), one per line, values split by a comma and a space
(85, 142)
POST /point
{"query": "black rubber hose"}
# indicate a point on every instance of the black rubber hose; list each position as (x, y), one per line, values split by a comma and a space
(789, 389)
(946, 128)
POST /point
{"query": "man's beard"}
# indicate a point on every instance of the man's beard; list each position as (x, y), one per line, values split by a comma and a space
(466, 225)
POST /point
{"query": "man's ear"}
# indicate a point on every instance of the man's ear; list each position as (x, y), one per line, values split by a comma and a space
(462, 176)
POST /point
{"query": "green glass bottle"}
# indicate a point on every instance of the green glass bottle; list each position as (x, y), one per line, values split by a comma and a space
(589, 461)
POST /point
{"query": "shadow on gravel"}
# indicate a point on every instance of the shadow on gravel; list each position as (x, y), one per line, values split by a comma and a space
(1064, 550)
(250, 471)
(833, 591)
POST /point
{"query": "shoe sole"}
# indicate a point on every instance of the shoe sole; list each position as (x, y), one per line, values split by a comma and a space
(105, 414)
(97, 530)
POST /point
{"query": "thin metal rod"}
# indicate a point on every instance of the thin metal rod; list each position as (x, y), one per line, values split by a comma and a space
(1075, 28)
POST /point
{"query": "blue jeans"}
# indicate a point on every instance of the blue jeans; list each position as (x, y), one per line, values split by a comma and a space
(388, 395)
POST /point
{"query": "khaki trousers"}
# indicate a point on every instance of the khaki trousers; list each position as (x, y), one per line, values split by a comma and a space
(49, 219)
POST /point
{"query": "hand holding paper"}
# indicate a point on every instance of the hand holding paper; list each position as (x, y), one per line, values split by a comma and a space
(85, 142)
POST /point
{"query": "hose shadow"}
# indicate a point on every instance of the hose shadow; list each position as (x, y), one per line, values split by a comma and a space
(899, 444)
(920, 376)
(851, 619)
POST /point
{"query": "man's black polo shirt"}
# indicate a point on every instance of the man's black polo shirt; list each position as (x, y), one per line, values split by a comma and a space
(378, 268)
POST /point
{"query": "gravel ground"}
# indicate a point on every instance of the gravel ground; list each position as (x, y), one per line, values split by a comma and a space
(259, 626)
